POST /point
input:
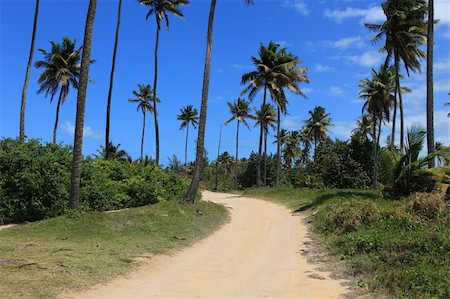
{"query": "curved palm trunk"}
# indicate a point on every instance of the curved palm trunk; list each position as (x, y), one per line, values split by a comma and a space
(261, 132)
(186, 145)
(430, 99)
(55, 128)
(111, 81)
(142, 139)
(74, 199)
(190, 195)
(278, 147)
(237, 157)
(155, 81)
(27, 75)
(265, 157)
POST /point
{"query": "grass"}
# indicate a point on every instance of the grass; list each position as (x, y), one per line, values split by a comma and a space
(396, 248)
(43, 259)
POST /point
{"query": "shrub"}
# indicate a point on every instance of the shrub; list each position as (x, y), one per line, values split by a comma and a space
(410, 182)
(428, 205)
(34, 180)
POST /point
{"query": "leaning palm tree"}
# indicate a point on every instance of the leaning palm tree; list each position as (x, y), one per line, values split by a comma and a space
(430, 96)
(267, 117)
(161, 8)
(111, 81)
(188, 116)
(240, 111)
(74, 198)
(61, 70)
(193, 187)
(275, 70)
(404, 31)
(316, 127)
(143, 98)
(378, 92)
(27, 74)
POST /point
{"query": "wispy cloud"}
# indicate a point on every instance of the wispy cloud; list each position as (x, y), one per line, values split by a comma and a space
(340, 44)
(284, 44)
(240, 67)
(366, 59)
(88, 132)
(371, 14)
(336, 90)
(320, 68)
(299, 5)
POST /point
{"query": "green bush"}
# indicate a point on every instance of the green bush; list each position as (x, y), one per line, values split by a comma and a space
(410, 182)
(34, 180)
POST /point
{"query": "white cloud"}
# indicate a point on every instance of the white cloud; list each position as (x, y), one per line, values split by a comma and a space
(367, 59)
(371, 15)
(88, 132)
(346, 42)
(442, 65)
(239, 67)
(290, 123)
(306, 90)
(324, 68)
(299, 5)
(336, 90)
(442, 11)
(284, 44)
(342, 129)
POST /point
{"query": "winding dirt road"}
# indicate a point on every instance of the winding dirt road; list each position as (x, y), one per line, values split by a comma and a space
(255, 255)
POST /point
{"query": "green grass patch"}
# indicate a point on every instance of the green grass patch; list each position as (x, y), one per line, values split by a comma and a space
(42, 259)
(399, 248)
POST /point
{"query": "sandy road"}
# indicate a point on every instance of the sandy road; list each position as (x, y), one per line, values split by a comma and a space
(255, 255)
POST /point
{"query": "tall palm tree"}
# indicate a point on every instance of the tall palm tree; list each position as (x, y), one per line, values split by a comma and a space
(193, 187)
(378, 91)
(74, 198)
(240, 111)
(275, 70)
(316, 127)
(27, 74)
(161, 8)
(61, 70)
(267, 117)
(364, 127)
(143, 98)
(430, 96)
(111, 80)
(188, 115)
(292, 149)
(404, 31)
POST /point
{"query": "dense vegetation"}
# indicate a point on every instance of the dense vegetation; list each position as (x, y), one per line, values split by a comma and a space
(400, 248)
(34, 182)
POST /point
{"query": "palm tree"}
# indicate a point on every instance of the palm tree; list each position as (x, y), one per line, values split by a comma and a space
(404, 31)
(161, 8)
(292, 149)
(430, 96)
(61, 71)
(316, 127)
(27, 74)
(275, 70)
(143, 98)
(379, 95)
(114, 153)
(240, 111)
(74, 199)
(193, 187)
(111, 80)
(267, 117)
(364, 127)
(188, 115)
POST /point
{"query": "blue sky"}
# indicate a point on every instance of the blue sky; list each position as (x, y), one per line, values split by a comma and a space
(328, 37)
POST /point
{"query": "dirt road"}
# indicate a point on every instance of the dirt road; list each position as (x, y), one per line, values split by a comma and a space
(255, 255)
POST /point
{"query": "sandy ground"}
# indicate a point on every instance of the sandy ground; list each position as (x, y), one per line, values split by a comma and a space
(255, 255)
(7, 226)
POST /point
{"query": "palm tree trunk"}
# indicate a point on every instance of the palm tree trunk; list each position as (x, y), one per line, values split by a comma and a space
(237, 156)
(27, 74)
(265, 157)
(261, 127)
(430, 99)
(155, 81)
(111, 81)
(397, 80)
(394, 118)
(142, 138)
(217, 159)
(374, 154)
(186, 145)
(190, 195)
(278, 147)
(81, 105)
(55, 128)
